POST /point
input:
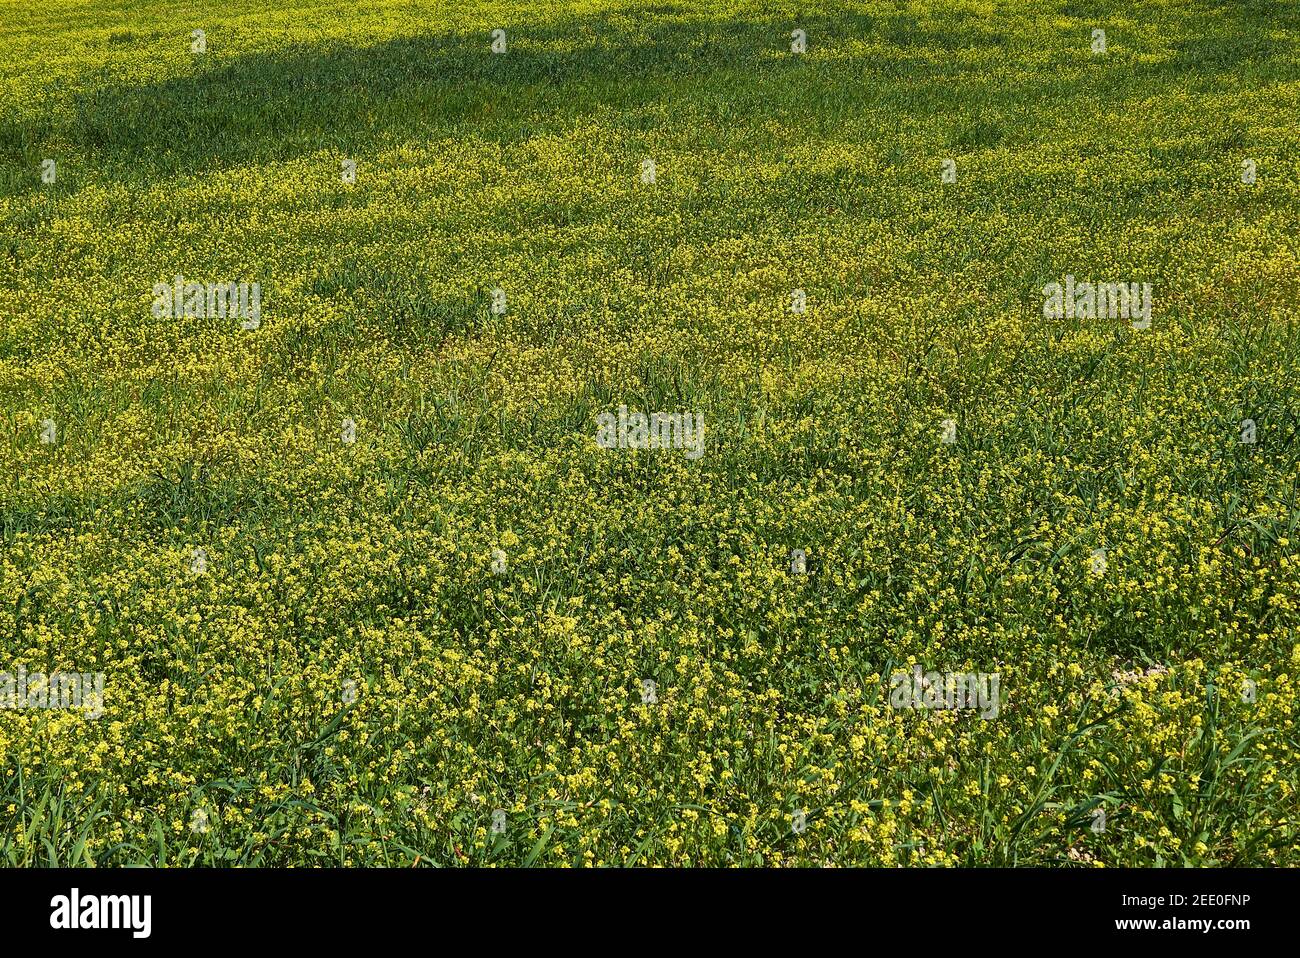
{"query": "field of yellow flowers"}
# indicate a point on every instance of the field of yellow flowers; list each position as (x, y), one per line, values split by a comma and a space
(364, 585)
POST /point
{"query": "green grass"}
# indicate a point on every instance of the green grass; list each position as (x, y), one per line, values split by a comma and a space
(371, 563)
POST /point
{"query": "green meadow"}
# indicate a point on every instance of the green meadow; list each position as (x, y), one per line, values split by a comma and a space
(597, 442)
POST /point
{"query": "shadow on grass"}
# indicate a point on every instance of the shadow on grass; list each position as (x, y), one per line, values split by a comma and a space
(268, 108)
(274, 107)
